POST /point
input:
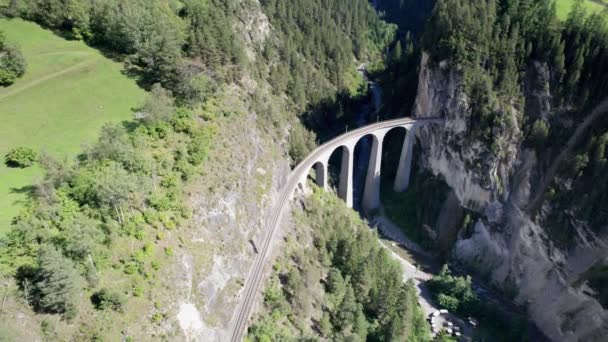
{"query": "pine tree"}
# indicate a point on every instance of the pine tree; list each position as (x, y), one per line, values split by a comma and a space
(397, 53)
(57, 284)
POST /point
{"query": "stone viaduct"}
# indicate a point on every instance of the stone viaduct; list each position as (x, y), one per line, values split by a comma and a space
(319, 160)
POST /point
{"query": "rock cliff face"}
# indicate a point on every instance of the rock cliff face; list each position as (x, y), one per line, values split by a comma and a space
(249, 169)
(507, 245)
(246, 168)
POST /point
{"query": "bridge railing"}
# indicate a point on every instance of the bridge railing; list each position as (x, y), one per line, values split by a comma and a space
(347, 128)
(353, 126)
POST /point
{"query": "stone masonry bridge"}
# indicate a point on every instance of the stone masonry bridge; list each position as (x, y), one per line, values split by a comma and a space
(319, 160)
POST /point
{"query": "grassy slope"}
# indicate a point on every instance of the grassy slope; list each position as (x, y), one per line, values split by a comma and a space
(564, 6)
(69, 91)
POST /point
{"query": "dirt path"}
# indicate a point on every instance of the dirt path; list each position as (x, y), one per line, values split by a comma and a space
(45, 78)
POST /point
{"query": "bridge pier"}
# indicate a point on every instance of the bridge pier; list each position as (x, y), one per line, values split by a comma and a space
(321, 175)
(402, 180)
(371, 192)
(345, 188)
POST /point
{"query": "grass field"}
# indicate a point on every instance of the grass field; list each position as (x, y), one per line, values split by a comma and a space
(564, 6)
(68, 92)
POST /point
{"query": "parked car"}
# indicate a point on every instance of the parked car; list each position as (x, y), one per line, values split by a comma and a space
(473, 322)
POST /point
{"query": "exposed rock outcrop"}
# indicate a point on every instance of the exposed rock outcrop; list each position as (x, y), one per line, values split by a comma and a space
(507, 245)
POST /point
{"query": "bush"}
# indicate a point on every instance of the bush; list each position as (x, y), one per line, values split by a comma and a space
(448, 302)
(21, 157)
(105, 299)
(539, 134)
(159, 105)
(454, 293)
(12, 63)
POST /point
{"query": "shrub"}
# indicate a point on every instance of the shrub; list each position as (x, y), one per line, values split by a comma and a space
(105, 299)
(137, 290)
(448, 302)
(21, 157)
(159, 105)
(453, 292)
(539, 134)
(157, 317)
(12, 63)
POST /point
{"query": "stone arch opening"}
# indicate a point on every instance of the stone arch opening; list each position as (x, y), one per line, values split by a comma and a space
(362, 155)
(317, 174)
(391, 153)
(399, 174)
(339, 176)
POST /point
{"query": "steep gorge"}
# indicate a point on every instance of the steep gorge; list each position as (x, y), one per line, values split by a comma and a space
(507, 245)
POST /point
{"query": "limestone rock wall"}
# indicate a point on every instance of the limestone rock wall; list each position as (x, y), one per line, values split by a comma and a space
(506, 244)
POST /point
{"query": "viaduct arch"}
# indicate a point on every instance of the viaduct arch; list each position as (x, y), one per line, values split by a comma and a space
(371, 194)
(319, 160)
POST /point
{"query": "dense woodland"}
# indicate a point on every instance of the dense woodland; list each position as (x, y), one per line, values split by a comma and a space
(313, 57)
(344, 286)
(408, 15)
(184, 45)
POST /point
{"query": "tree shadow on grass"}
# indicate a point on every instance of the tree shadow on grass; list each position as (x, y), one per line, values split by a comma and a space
(131, 125)
(12, 165)
(28, 190)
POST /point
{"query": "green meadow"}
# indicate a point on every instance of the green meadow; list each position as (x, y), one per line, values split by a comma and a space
(68, 92)
(564, 6)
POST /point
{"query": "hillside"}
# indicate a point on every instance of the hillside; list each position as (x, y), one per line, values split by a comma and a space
(68, 92)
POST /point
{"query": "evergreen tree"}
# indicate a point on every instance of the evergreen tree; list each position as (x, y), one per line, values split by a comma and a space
(57, 284)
